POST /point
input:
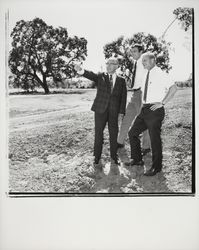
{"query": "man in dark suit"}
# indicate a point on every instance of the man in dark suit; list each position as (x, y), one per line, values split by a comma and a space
(109, 104)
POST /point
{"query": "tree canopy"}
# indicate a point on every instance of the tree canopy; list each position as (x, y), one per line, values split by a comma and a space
(40, 51)
(120, 49)
(185, 16)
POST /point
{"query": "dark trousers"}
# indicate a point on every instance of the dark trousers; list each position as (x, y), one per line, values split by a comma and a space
(100, 123)
(151, 120)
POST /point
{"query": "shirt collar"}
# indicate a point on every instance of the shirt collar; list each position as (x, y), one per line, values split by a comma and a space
(154, 68)
(138, 60)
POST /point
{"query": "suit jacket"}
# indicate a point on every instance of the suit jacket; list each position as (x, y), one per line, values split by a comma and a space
(116, 100)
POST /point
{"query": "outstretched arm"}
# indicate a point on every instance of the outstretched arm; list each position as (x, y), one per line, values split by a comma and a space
(87, 74)
(90, 75)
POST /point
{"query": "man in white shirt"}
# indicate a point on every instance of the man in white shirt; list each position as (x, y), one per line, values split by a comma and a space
(157, 91)
(134, 106)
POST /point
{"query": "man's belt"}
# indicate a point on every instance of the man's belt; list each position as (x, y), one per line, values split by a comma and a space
(144, 105)
(136, 89)
(147, 104)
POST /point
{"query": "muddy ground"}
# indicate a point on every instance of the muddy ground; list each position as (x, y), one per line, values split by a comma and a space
(51, 147)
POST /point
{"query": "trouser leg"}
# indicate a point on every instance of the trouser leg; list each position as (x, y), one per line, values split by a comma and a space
(100, 123)
(132, 110)
(154, 124)
(138, 127)
(113, 133)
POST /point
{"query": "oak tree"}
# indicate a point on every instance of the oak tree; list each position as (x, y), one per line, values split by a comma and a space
(40, 51)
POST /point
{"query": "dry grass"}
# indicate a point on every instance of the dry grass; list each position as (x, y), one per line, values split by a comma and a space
(51, 143)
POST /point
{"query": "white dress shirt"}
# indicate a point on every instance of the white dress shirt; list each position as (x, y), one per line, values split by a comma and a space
(158, 85)
(114, 75)
(139, 74)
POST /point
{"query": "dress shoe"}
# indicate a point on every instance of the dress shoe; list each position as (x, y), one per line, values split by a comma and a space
(133, 162)
(152, 172)
(96, 161)
(145, 151)
(119, 145)
(97, 165)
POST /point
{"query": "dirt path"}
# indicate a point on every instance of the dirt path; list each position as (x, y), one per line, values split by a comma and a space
(51, 145)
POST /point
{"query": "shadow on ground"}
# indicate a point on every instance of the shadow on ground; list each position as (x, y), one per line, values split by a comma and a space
(123, 179)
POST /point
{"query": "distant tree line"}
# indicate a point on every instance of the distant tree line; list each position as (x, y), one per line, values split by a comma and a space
(183, 84)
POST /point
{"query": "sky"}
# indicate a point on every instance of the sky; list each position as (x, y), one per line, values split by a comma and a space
(102, 21)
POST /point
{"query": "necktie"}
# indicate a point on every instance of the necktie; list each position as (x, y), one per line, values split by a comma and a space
(134, 72)
(111, 82)
(146, 87)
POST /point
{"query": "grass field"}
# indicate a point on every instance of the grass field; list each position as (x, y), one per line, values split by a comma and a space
(51, 143)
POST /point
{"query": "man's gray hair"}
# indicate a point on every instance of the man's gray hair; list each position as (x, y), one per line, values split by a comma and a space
(114, 59)
(150, 55)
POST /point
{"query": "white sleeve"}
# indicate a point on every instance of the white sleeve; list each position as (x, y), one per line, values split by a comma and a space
(168, 81)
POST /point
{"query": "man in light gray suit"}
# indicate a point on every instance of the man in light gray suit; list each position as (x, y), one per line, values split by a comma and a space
(134, 106)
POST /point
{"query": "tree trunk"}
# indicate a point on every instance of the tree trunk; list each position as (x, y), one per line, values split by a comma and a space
(45, 86)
